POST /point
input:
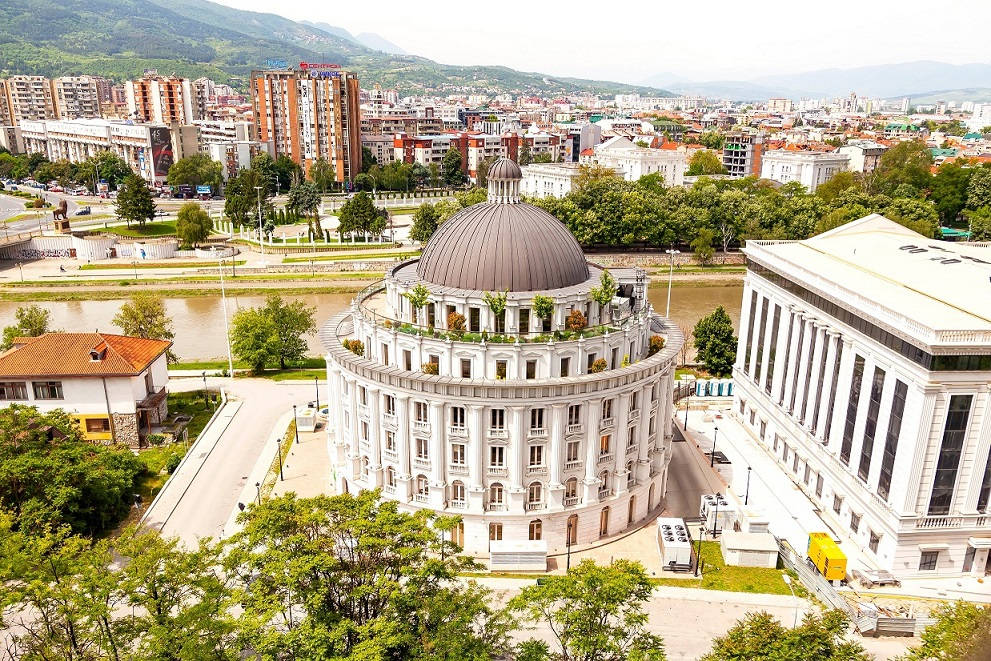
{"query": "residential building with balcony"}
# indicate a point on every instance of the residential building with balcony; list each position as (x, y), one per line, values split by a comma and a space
(742, 153)
(161, 99)
(864, 365)
(865, 155)
(499, 412)
(76, 97)
(29, 98)
(809, 168)
(114, 386)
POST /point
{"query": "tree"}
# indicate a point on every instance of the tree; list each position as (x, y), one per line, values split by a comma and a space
(704, 162)
(364, 182)
(32, 321)
(134, 202)
(961, 633)
(418, 297)
(907, 162)
(51, 476)
(828, 190)
(424, 222)
(702, 246)
(979, 189)
(367, 159)
(193, 224)
(304, 199)
(482, 171)
(291, 321)
(453, 175)
(715, 343)
(322, 174)
(760, 636)
(105, 165)
(604, 293)
(360, 215)
(594, 612)
(543, 306)
(353, 576)
(145, 316)
(712, 140)
(497, 304)
(287, 172)
(525, 154)
(979, 221)
(196, 170)
(254, 338)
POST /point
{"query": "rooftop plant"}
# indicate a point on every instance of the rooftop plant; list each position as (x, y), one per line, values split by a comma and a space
(543, 306)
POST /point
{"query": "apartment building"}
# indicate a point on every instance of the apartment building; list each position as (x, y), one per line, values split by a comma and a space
(809, 168)
(742, 153)
(76, 97)
(310, 113)
(160, 99)
(865, 155)
(29, 97)
(429, 149)
(634, 162)
(381, 147)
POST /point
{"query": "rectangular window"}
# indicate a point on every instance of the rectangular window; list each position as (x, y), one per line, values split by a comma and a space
(498, 419)
(500, 369)
(982, 497)
(777, 441)
(362, 396)
(536, 456)
(822, 382)
(465, 368)
(390, 405)
(531, 369)
(420, 411)
(954, 433)
(565, 367)
(837, 504)
(605, 442)
(13, 390)
(422, 448)
(808, 471)
(927, 561)
(818, 486)
(385, 354)
(772, 349)
(750, 332)
(97, 425)
(497, 456)
(574, 414)
(874, 541)
(364, 431)
(759, 358)
(495, 532)
(47, 390)
(870, 426)
(407, 360)
(590, 360)
(572, 450)
(763, 429)
(854, 522)
(474, 320)
(794, 464)
(891, 439)
(458, 416)
(784, 368)
(457, 454)
(633, 402)
(832, 391)
(607, 409)
(851, 409)
(536, 419)
(796, 367)
(814, 341)
(784, 453)
(390, 441)
(524, 320)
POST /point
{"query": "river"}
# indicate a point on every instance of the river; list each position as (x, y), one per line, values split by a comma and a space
(198, 322)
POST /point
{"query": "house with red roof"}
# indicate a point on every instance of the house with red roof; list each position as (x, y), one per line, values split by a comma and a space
(114, 386)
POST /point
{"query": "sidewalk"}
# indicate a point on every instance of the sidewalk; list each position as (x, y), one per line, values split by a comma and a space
(307, 467)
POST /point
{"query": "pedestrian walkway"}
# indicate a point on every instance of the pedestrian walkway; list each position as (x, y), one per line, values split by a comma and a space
(306, 468)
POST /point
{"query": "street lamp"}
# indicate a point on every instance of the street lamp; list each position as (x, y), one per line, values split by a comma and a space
(295, 424)
(746, 497)
(261, 240)
(227, 329)
(672, 252)
(698, 552)
(134, 265)
(258, 492)
(787, 580)
(21, 269)
(278, 442)
(316, 386)
(205, 400)
(688, 402)
(568, 564)
(712, 455)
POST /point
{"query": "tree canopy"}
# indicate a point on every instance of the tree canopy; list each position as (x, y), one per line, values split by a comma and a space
(134, 202)
(145, 316)
(961, 633)
(453, 175)
(193, 224)
(715, 342)
(705, 161)
(761, 636)
(360, 215)
(304, 199)
(32, 321)
(196, 170)
(274, 332)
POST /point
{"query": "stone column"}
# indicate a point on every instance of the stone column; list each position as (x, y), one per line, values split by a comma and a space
(794, 358)
(476, 474)
(354, 450)
(403, 478)
(831, 340)
(375, 437)
(643, 433)
(591, 482)
(619, 448)
(438, 454)
(555, 458)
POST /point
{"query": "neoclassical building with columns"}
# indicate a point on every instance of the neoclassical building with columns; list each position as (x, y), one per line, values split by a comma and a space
(485, 379)
(864, 367)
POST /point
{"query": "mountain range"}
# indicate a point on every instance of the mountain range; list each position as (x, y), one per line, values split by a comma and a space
(122, 38)
(919, 80)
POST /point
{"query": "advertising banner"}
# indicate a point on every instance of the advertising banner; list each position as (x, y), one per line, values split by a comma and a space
(162, 157)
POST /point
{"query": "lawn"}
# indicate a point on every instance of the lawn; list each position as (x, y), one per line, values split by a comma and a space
(148, 230)
(156, 265)
(346, 258)
(716, 575)
(306, 363)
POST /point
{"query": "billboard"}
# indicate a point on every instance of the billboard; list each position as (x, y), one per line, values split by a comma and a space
(203, 190)
(161, 150)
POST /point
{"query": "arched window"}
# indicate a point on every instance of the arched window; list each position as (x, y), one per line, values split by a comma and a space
(536, 530)
(573, 529)
(631, 476)
(604, 522)
(571, 488)
(364, 468)
(535, 493)
(458, 492)
(631, 509)
(421, 485)
(495, 494)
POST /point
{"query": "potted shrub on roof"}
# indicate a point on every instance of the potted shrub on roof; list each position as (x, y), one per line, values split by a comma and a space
(418, 297)
(456, 323)
(497, 304)
(543, 307)
(603, 294)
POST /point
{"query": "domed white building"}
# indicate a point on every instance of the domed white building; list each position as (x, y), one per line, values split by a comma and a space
(475, 404)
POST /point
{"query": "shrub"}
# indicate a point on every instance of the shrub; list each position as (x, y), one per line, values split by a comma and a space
(656, 344)
(155, 439)
(430, 368)
(357, 347)
(172, 462)
(598, 365)
(575, 321)
(456, 322)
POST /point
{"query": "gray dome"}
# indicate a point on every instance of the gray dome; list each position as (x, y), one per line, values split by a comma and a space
(498, 247)
(504, 168)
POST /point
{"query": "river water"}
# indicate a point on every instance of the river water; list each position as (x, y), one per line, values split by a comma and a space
(198, 322)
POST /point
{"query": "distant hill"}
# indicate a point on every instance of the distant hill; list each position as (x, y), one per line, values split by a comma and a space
(886, 81)
(122, 38)
(378, 42)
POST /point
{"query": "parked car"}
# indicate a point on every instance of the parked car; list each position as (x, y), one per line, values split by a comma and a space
(84, 211)
(870, 578)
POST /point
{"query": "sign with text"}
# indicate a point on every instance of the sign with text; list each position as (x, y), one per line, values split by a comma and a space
(305, 66)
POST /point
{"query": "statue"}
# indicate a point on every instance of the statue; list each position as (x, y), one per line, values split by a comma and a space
(61, 210)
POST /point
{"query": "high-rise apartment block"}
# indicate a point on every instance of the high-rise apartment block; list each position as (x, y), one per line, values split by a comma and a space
(29, 97)
(76, 97)
(310, 113)
(160, 99)
(742, 153)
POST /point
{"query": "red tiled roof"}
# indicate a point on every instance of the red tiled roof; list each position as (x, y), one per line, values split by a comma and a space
(68, 354)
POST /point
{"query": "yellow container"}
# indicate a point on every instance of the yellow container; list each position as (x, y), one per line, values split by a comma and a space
(827, 557)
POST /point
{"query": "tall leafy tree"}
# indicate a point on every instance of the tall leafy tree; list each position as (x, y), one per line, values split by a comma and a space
(425, 221)
(979, 188)
(367, 159)
(193, 224)
(525, 154)
(907, 162)
(760, 636)
(32, 321)
(594, 612)
(134, 202)
(145, 316)
(254, 338)
(961, 633)
(705, 161)
(359, 214)
(287, 173)
(715, 342)
(292, 321)
(304, 199)
(979, 222)
(196, 170)
(322, 174)
(453, 175)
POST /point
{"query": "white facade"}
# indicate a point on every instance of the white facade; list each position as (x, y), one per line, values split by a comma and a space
(548, 179)
(865, 155)
(809, 168)
(635, 162)
(981, 117)
(864, 365)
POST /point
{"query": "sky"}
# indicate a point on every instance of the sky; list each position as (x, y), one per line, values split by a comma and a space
(635, 40)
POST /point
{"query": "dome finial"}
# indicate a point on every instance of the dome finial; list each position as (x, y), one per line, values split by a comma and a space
(504, 182)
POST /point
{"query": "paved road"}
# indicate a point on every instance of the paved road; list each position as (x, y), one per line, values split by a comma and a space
(688, 478)
(201, 496)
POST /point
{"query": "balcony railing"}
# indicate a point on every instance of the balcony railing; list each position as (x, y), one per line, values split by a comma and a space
(457, 504)
(575, 428)
(421, 497)
(607, 422)
(538, 432)
(605, 493)
(389, 454)
(458, 469)
(936, 522)
(535, 506)
(421, 426)
(634, 415)
(499, 471)
(498, 432)
(420, 462)
(632, 450)
(605, 458)
(496, 507)
(457, 430)
(571, 500)
(389, 488)
(573, 465)
(536, 470)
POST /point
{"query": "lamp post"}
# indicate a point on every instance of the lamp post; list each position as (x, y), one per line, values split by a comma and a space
(698, 552)
(21, 269)
(316, 386)
(261, 237)
(258, 492)
(688, 401)
(278, 443)
(134, 265)
(712, 455)
(746, 496)
(205, 400)
(295, 423)
(672, 252)
(787, 580)
(567, 567)
(227, 329)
